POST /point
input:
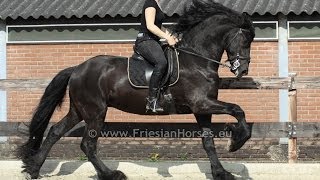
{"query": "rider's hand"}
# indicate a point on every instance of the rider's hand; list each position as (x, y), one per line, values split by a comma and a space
(171, 40)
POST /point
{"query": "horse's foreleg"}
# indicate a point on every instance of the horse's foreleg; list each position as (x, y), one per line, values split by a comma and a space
(240, 133)
(89, 147)
(218, 172)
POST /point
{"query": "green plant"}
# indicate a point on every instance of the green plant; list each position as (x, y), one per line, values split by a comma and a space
(184, 156)
(83, 158)
(154, 157)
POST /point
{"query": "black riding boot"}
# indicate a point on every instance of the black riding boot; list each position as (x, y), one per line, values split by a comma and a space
(152, 101)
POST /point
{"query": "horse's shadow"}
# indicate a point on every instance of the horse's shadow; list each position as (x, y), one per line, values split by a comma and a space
(50, 167)
(56, 168)
(237, 169)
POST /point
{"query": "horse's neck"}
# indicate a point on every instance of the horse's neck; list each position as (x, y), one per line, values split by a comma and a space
(204, 42)
(207, 40)
(197, 62)
(202, 61)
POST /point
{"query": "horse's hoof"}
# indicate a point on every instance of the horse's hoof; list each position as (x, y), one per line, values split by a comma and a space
(115, 175)
(30, 176)
(118, 175)
(231, 146)
(236, 144)
(225, 175)
(31, 170)
(239, 137)
(27, 176)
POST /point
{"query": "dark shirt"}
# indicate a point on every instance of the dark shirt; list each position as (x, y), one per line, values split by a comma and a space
(160, 16)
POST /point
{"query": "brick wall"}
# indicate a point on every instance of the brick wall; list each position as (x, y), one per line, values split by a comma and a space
(44, 61)
(256, 150)
(304, 58)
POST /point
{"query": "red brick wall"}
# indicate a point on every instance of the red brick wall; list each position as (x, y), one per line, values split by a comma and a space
(304, 59)
(44, 61)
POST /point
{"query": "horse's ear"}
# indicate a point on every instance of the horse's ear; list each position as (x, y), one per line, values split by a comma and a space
(247, 23)
(199, 2)
(246, 18)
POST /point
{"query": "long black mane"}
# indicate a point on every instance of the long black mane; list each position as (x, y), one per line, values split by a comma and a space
(200, 10)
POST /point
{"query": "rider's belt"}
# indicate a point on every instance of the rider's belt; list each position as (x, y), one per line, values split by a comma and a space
(147, 36)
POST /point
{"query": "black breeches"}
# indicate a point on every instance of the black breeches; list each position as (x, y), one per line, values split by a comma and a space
(152, 51)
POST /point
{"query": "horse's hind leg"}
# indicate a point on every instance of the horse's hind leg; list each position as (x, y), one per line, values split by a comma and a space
(89, 146)
(218, 172)
(34, 163)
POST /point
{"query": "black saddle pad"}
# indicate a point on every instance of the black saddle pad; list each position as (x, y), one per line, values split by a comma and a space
(140, 70)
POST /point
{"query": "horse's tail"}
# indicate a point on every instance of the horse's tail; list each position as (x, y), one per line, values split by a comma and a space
(52, 97)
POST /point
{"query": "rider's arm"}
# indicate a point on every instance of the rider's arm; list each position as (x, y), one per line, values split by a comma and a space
(150, 14)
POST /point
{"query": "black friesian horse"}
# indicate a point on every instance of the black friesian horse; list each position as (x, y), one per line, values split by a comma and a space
(207, 28)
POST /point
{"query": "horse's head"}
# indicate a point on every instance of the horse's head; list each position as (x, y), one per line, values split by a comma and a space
(237, 44)
(209, 28)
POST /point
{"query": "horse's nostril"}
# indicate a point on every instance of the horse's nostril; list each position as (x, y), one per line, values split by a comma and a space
(245, 72)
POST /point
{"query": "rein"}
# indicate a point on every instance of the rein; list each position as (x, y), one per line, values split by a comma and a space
(236, 63)
(236, 60)
(203, 57)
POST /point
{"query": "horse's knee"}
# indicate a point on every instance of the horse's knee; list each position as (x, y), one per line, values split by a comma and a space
(236, 110)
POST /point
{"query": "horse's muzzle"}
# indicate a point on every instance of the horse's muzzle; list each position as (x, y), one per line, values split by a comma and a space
(239, 73)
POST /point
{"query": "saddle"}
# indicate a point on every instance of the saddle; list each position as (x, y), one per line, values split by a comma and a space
(140, 70)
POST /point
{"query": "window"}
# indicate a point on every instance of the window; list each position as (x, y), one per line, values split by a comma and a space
(107, 32)
(266, 30)
(122, 32)
(304, 30)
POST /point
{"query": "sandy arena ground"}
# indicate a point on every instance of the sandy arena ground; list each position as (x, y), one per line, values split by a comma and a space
(167, 170)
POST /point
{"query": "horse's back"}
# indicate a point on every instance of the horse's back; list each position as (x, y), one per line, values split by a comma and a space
(97, 64)
(94, 75)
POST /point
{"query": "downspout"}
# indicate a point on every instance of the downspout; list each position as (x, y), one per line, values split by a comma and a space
(283, 55)
(3, 74)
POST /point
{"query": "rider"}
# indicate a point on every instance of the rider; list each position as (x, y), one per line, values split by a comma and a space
(148, 45)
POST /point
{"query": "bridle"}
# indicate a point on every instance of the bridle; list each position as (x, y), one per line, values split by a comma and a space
(235, 62)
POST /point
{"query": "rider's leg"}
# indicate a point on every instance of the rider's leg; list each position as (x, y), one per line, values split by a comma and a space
(153, 52)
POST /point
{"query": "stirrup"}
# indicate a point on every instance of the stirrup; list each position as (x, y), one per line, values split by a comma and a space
(153, 105)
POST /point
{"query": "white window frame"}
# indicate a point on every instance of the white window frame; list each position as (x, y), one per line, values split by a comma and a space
(301, 38)
(71, 41)
(268, 22)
